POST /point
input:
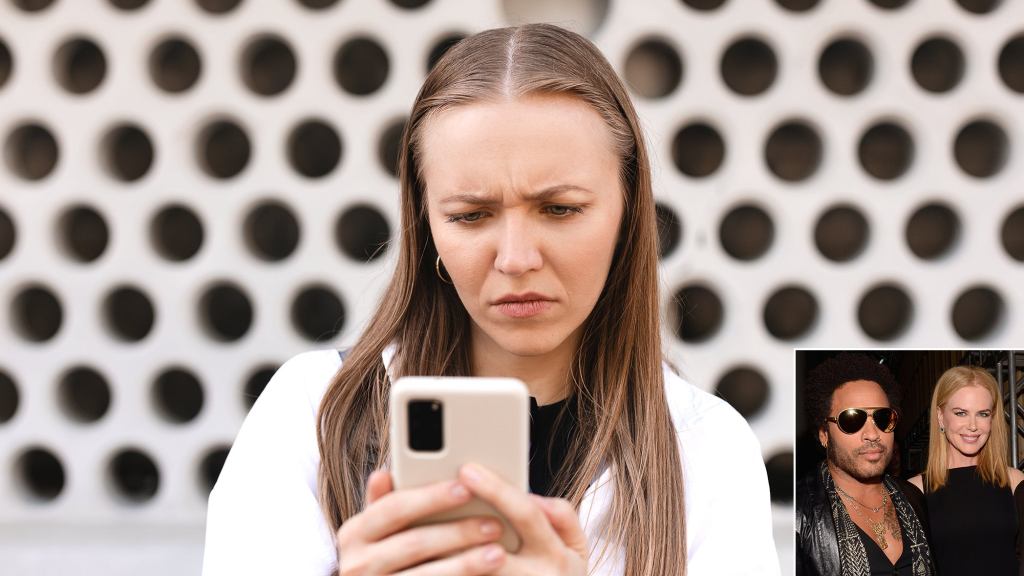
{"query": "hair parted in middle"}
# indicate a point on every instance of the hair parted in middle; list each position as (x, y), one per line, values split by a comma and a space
(992, 459)
(616, 375)
(823, 380)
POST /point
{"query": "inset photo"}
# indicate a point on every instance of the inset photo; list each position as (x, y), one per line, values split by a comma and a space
(908, 462)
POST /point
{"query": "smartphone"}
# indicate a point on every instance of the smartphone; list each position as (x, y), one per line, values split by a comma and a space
(440, 423)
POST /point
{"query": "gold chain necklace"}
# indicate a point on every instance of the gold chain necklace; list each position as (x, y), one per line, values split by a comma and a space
(887, 522)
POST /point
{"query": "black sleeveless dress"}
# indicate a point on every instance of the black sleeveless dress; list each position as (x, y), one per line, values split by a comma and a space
(974, 526)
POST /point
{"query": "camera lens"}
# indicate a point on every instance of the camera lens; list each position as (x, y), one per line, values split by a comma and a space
(426, 425)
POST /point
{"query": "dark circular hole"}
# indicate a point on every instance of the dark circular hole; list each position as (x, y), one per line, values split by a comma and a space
(80, 65)
(84, 394)
(176, 233)
(271, 231)
(745, 388)
(127, 152)
(790, 312)
(704, 5)
(314, 148)
(793, 151)
(31, 151)
(257, 383)
(797, 5)
(441, 47)
(1011, 63)
(175, 65)
(653, 68)
(846, 66)
(211, 465)
(129, 313)
(83, 233)
(841, 233)
(32, 5)
(37, 314)
(362, 233)
(977, 312)
(134, 475)
(226, 312)
(41, 473)
(698, 150)
(699, 313)
(389, 147)
(9, 398)
(937, 65)
(932, 230)
(885, 312)
(318, 4)
(890, 4)
(218, 6)
(746, 232)
(224, 149)
(886, 151)
(981, 148)
(1013, 234)
(8, 234)
(178, 395)
(780, 477)
(410, 4)
(128, 4)
(6, 63)
(318, 313)
(979, 6)
(749, 66)
(670, 230)
(361, 66)
(268, 65)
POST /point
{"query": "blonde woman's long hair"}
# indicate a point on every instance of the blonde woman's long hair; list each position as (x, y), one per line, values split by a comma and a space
(616, 374)
(992, 460)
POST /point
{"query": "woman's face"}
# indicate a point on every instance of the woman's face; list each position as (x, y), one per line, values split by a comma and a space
(967, 418)
(524, 204)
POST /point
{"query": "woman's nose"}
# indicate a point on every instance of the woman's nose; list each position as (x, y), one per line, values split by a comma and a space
(518, 249)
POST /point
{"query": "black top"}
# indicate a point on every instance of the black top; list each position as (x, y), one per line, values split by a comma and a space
(879, 563)
(974, 525)
(550, 432)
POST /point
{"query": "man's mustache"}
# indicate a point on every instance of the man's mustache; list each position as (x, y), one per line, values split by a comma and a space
(871, 447)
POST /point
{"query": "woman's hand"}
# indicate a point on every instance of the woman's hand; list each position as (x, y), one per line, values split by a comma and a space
(552, 540)
(378, 540)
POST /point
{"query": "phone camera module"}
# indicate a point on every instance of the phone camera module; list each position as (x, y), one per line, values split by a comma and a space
(426, 425)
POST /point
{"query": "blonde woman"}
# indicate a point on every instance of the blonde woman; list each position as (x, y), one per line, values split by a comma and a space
(528, 249)
(975, 501)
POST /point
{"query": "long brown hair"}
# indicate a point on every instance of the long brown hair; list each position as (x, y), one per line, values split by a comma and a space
(616, 375)
(992, 460)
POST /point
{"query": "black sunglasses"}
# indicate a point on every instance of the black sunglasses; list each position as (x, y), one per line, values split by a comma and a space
(851, 420)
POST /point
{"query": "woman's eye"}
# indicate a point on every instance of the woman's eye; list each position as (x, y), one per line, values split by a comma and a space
(959, 413)
(559, 210)
(466, 217)
(985, 414)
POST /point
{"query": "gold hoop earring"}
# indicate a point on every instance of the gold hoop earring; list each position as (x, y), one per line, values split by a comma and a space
(437, 269)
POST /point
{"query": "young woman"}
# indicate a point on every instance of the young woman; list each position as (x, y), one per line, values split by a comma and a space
(975, 501)
(528, 249)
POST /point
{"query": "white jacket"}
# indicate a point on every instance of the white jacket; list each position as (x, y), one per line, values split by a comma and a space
(264, 517)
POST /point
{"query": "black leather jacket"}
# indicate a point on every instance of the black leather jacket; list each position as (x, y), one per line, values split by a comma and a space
(817, 550)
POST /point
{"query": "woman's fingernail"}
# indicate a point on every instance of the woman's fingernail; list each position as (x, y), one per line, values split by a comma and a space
(459, 491)
(489, 528)
(471, 473)
(492, 554)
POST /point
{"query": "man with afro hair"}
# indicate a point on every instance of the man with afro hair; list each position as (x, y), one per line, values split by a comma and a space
(852, 519)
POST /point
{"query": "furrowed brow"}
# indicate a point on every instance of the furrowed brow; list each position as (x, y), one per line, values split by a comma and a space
(553, 191)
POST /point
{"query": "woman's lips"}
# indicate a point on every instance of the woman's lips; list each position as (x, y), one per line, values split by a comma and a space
(523, 308)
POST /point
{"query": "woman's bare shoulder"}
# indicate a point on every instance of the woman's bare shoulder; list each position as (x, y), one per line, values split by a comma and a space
(917, 481)
(1015, 477)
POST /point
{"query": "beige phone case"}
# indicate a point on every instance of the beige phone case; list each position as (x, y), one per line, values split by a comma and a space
(486, 420)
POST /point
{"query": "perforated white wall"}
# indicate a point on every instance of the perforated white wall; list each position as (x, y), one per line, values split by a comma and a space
(194, 190)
